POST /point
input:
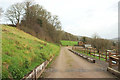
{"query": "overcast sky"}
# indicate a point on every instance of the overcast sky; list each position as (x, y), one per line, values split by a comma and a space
(81, 17)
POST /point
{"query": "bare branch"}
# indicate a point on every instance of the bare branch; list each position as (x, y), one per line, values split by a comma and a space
(15, 13)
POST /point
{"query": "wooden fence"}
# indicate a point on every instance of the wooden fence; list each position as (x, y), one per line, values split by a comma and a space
(93, 52)
(112, 58)
(35, 73)
(83, 56)
(116, 58)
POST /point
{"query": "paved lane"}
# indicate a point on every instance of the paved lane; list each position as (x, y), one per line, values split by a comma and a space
(69, 65)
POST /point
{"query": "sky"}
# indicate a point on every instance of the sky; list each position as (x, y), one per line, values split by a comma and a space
(80, 17)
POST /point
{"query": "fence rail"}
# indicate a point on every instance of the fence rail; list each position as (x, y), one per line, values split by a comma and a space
(83, 56)
(111, 64)
(93, 52)
(114, 59)
(35, 73)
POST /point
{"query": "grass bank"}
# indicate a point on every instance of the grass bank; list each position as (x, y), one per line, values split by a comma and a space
(22, 52)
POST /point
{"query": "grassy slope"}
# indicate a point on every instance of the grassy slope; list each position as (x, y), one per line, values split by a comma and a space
(22, 52)
(69, 43)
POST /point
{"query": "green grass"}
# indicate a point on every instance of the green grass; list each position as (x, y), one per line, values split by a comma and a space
(69, 43)
(22, 52)
(90, 55)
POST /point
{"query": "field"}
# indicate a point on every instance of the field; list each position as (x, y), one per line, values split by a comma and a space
(22, 52)
(69, 43)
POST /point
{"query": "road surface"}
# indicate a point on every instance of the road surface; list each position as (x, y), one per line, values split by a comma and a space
(69, 65)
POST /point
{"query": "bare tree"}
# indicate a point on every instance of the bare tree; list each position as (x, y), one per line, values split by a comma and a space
(39, 22)
(14, 13)
(100, 43)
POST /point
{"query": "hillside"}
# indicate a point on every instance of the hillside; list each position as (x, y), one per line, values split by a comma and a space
(22, 52)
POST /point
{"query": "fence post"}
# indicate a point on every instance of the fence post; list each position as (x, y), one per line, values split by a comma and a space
(94, 52)
(102, 51)
(99, 54)
(110, 61)
(82, 50)
(34, 74)
(90, 51)
(87, 51)
(106, 55)
(118, 61)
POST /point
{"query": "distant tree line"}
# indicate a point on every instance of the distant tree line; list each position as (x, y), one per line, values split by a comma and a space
(69, 36)
(37, 21)
(99, 43)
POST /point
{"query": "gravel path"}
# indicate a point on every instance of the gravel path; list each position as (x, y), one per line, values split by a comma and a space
(69, 65)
